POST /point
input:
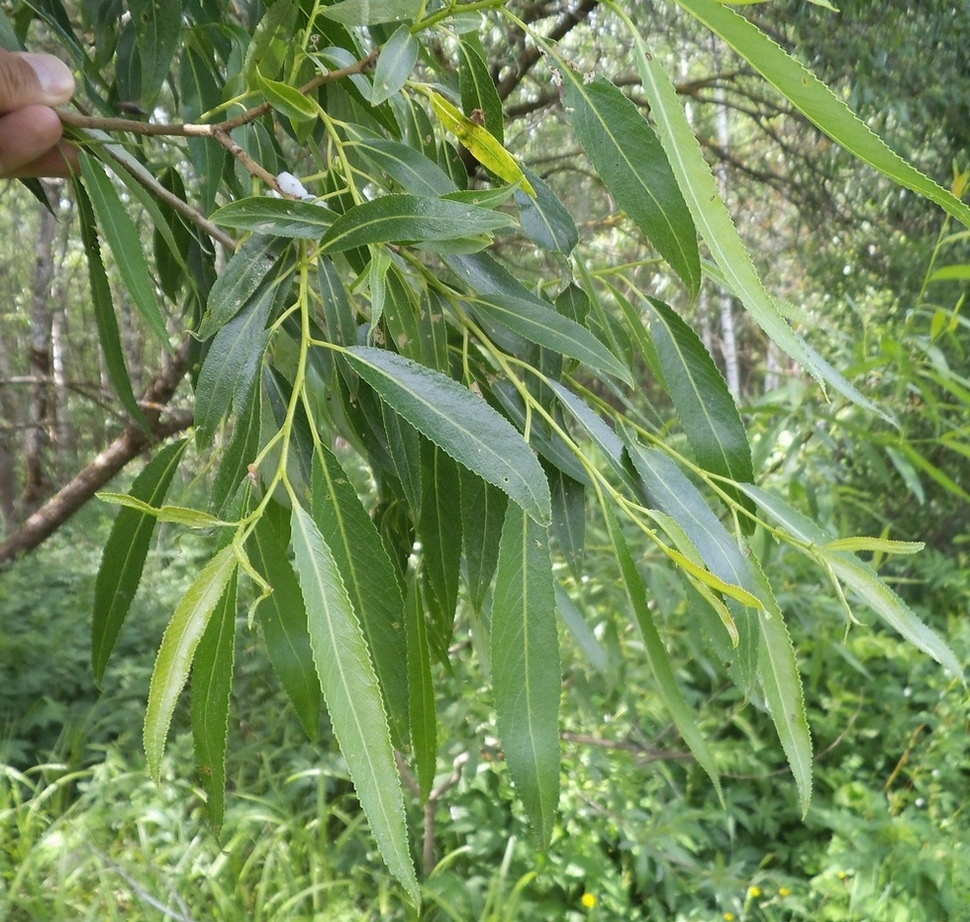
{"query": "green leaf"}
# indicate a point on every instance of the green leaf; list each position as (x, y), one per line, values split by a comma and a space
(248, 268)
(157, 29)
(405, 218)
(283, 618)
(545, 326)
(544, 218)
(477, 90)
(460, 423)
(423, 718)
(526, 673)
(781, 685)
(569, 518)
(631, 161)
(394, 66)
(180, 515)
(238, 454)
(482, 516)
(231, 364)
(287, 100)
(860, 576)
(673, 697)
(178, 647)
(819, 103)
(353, 697)
(714, 222)
(369, 12)
(706, 408)
(123, 558)
(276, 217)
(370, 580)
(586, 640)
(104, 315)
(211, 685)
(125, 242)
(407, 166)
(439, 531)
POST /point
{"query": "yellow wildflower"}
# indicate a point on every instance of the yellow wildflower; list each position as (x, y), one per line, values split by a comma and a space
(784, 891)
(754, 892)
(589, 900)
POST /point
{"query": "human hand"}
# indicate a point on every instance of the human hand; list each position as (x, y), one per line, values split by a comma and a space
(30, 130)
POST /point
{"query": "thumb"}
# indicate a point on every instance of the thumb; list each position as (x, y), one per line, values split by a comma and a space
(33, 79)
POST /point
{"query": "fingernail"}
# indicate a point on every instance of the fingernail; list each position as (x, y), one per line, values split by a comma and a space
(55, 78)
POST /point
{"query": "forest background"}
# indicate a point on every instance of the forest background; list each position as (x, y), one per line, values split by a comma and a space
(869, 272)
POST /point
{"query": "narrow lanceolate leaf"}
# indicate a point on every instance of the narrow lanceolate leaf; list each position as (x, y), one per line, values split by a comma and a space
(394, 66)
(276, 217)
(286, 99)
(157, 28)
(526, 673)
(123, 558)
(706, 408)
(234, 288)
(860, 576)
(125, 242)
(627, 155)
(544, 218)
(460, 423)
(482, 517)
(407, 166)
(569, 518)
(547, 327)
(819, 103)
(353, 697)
(283, 618)
(368, 12)
(782, 687)
(231, 365)
(211, 685)
(421, 703)
(370, 581)
(673, 697)
(477, 90)
(108, 333)
(178, 647)
(405, 218)
(716, 227)
(179, 515)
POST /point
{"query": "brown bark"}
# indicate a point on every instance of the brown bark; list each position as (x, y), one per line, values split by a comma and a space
(127, 446)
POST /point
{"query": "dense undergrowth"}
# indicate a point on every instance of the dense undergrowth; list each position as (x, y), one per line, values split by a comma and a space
(85, 834)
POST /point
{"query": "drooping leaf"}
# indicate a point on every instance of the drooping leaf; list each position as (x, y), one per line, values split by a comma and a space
(407, 166)
(544, 218)
(421, 701)
(546, 327)
(405, 218)
(109, 335)
(276, 217)
(283, 618)
(569, 518)
(232, 363)
(439, 531)
(353, 697)
(706, 408)
(238, 454)
(482, 517)
(673, 697)
(394, 66)
(819, 103)
(573, 618)
(370, 580)
(249, 267)
(478, 92)
(631, 161)
(526, 673)
(177, 650)
(460, 423)
(125, 242)
(125, 551)
(714, 222)
(180, 515)
(860, 576)
(157, 27)
(211, 685)
(368, 12)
